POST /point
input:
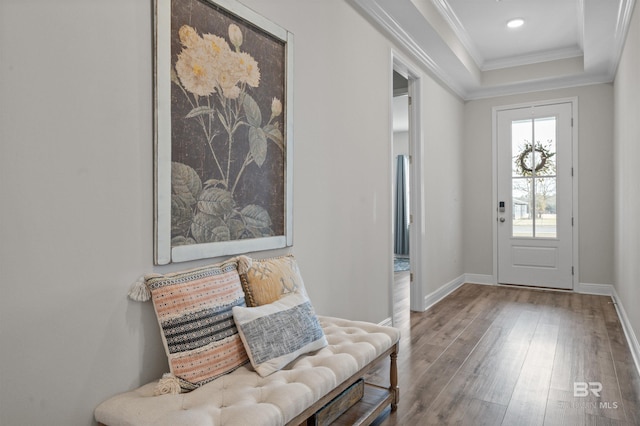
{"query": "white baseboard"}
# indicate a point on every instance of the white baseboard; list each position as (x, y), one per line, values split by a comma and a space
(442, 292)
(598, 289)
(609, 290)
(479, 279)
(632, 340)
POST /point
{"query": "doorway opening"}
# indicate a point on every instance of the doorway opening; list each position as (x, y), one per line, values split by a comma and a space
(401, 174)
(401, 196)
(405, 285)
(408, 295)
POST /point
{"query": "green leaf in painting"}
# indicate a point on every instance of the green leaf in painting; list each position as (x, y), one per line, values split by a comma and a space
(185, 182)
(182, 241)
(221, 233)
(267, 232)
(252, 232)
(274, 134)
(258, 145)
(252, 111)
(215, 201)
(236, 229)
(181, 216)
(198, 111)
(214, 182)
(256, 216)
(206, 228)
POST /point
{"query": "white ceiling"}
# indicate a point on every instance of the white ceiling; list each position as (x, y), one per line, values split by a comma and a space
(552, 29)
(466, 44)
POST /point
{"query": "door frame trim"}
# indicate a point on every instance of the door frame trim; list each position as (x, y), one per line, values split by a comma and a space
(574, 184)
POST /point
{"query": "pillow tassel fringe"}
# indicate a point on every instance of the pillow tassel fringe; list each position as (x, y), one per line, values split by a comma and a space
(167, 385)
(139, 291)
(244, 263)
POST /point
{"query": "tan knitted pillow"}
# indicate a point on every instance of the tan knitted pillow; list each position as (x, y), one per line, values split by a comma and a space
(266, 280)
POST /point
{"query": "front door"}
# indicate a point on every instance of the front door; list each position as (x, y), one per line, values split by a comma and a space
(535, 207)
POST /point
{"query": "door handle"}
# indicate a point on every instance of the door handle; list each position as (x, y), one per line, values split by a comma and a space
(502, 219)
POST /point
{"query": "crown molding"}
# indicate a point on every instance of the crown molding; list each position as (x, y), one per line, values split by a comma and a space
(625, 13)
(383, 20)
(536, 86)
(533, 58)
(405, 26)
(459, 30)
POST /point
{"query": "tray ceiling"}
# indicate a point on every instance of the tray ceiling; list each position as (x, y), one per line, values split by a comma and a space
(467, 45)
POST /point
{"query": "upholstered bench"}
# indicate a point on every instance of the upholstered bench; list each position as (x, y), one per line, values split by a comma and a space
(288, 396)
(245, 347)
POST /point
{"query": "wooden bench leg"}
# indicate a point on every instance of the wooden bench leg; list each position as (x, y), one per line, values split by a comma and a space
(393, 379)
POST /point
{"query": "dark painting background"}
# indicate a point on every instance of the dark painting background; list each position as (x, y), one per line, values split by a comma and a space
(264, 186)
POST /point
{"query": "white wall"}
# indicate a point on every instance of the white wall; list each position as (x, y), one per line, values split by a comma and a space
(76, 188)
(627, 190)
(442, 123)
(595, 162)
(400, 143)
(342, 166)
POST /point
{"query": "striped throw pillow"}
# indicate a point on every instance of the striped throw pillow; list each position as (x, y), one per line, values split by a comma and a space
(194, 310)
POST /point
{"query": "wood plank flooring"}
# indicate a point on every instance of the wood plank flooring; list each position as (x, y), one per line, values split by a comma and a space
(496, 355)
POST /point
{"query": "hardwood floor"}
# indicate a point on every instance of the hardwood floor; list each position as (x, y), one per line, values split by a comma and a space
(496, 355)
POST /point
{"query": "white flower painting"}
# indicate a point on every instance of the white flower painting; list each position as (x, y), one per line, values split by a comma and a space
(228, 149)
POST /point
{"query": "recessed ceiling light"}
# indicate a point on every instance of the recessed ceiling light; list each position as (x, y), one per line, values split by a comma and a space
(515, 23)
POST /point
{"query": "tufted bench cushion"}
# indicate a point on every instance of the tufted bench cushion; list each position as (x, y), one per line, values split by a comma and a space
(243, 397)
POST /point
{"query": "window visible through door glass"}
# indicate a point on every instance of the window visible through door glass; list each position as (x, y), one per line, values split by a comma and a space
(533, 195)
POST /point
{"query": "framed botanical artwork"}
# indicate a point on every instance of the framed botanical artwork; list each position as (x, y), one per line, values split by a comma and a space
(223, 130)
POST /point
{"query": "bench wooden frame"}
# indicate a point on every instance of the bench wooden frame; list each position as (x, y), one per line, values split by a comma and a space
(377, 397)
